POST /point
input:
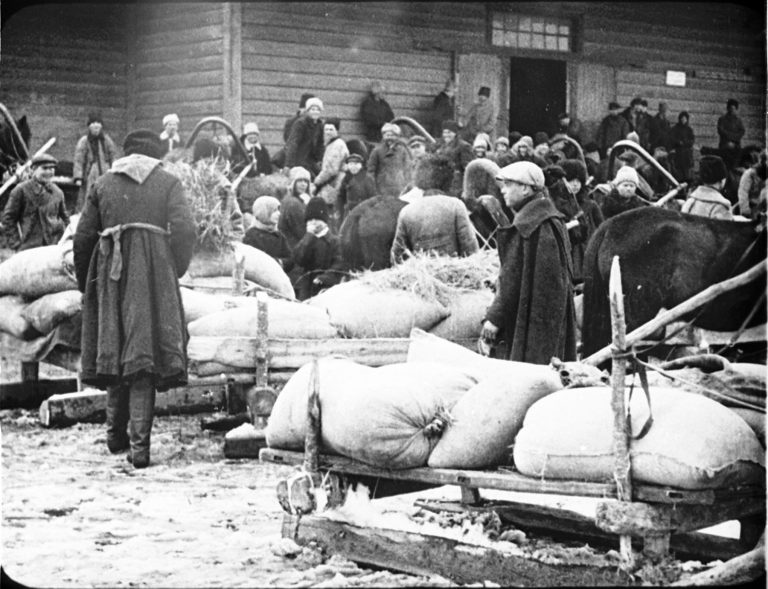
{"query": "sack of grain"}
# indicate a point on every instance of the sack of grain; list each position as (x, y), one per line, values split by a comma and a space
(287, 319)
(485, 421)
(259, 267)
(49, 310)
(359, 310)
(36, 272)
(694, 442)
(467, 308)
(215, 285)
(11, 319)
(754, 419)
(388, 417)
(198, 303)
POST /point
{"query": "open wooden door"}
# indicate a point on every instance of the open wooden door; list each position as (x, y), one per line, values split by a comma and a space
(593, 88)
(478, 69)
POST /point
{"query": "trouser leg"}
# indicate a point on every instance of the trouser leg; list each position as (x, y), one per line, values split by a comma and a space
(142, 411)
(117, 418)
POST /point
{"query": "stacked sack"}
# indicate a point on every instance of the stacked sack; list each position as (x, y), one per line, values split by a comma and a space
(38, 289)
(446, 406)
(447, 296)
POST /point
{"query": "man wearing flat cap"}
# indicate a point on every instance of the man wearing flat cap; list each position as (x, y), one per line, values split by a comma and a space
(134, 240)
(35, 214)
(481, 118)
(532, 313)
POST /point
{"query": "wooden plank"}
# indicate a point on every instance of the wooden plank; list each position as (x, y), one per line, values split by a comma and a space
(565, 524)
(22, 395)
(90, 405)
(294, 353)
(462, 562)
(641, 519)
(504, 480)
(238, 352)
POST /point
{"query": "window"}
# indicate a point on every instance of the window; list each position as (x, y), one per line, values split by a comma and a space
(542, 33)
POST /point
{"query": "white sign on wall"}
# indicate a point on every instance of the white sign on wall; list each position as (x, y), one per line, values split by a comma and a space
(675, 78)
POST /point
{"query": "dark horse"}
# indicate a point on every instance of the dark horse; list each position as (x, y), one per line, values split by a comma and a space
(666, 257)
(12, 152)
(367, 233)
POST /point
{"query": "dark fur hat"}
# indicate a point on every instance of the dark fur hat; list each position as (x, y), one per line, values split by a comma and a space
(316, 209)
(574, 169)
(304, 97)
(435, 172)
(145, 142)
(552, 174)
(711, 169)
(335, 121)
(484, 91)
(95, 117)
(357, 146)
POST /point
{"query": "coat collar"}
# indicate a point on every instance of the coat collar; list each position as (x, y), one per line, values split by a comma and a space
(709, 194)
(533, 214)
(136, 166)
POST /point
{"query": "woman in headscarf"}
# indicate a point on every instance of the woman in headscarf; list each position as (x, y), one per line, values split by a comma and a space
(265, 235)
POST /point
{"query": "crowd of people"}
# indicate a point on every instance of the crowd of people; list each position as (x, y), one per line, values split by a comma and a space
(556, 188)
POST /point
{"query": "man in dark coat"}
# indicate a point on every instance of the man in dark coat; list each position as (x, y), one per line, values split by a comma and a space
(458, 151)
(443, 108)
(660, 128)
(730, 129)
(374, 112)
(533, 309)
(390, 163)
(305, 143)
(612, 128)
(35, 214)
(134, 239)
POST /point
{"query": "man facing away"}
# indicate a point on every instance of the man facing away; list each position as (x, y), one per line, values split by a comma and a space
(134, 239)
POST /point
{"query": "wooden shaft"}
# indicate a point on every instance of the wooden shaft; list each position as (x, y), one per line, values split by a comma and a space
(622, 465)
(705, 296)
(312, 439)
(17, 174)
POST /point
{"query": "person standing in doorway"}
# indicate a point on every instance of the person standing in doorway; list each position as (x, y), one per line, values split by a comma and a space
(134, 240)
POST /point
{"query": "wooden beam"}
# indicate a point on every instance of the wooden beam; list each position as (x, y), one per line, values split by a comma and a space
(232, 69)
(505, 480)
(295, 353)
(21, 394)
(708, 294)
(461, 562)
(741, 570)
(90, 405)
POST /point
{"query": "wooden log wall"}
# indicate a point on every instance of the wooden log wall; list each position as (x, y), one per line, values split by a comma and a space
(335, 50)
(179, 63)
(59, 62)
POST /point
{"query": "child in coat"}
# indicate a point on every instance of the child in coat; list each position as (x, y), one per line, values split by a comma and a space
(318, 252)
(264, 234)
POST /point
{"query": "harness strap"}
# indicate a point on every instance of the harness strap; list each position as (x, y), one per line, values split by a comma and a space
(113, 234)
(640, 369)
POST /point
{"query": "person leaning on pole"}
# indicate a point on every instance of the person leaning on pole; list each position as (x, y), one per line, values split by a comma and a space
(533, 310)
(135, 238)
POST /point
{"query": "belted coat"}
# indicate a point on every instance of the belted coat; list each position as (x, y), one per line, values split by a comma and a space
(134, 239)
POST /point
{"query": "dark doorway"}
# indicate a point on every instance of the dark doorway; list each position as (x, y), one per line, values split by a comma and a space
(537, 90)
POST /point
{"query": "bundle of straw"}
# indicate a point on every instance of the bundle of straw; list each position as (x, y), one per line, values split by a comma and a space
(209, 191)
(434, 277)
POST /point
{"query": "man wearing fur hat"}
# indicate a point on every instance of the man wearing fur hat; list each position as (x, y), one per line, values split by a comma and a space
(706, 200)
(481, 118)
(318, 252)
(458, 152)
(436, 222)
(135, 238)
(356, 186)
(35, 214)
(532, 312)
(170, 135)
(305, 143)
(374, 112)
(94, 153)
(612, 128)
(390, 163)
(331, 174)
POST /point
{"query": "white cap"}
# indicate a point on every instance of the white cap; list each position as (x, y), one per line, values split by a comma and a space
(523, 173)
(250, 128)
(171, 118)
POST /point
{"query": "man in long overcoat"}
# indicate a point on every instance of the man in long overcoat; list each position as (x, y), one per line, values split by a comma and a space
(533, 309)
(134, 239)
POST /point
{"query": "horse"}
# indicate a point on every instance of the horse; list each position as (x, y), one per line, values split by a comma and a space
(666, 257)
(482, 195)
(367, 233)
(12, 152)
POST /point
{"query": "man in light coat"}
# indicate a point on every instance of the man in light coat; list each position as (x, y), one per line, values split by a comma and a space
(435, 222)
(328, 181)
(706, 200)
(134, 239)
(390, 163)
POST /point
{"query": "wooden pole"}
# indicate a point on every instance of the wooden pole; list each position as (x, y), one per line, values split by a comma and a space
(312, 439)
(622, 464)
(705, 296)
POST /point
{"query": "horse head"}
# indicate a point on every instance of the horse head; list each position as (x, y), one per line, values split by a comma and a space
(12, 150)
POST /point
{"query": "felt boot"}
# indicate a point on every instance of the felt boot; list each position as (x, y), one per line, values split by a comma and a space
(117, 419)
(142, 410)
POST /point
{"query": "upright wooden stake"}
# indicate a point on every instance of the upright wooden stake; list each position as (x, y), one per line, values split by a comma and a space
(622, 464)
(312, 439)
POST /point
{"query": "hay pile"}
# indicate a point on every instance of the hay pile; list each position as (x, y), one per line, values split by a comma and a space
(434, 277)
(208, 188)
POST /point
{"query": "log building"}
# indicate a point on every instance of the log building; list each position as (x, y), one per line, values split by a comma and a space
(251, 61)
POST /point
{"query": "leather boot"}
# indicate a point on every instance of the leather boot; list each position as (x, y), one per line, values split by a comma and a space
(117, 419)
(142, 411)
